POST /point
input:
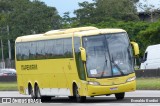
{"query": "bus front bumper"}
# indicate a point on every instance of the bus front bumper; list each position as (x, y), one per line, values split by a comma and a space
(105, 90)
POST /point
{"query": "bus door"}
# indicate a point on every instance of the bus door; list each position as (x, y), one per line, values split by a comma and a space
(79, 64)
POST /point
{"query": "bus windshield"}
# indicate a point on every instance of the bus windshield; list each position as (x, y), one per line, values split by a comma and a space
(108, 55)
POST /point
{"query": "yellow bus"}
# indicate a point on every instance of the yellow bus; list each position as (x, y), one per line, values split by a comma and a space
(76, 62)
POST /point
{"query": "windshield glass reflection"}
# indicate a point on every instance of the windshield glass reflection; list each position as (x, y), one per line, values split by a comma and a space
(97, 57)
(108, 55)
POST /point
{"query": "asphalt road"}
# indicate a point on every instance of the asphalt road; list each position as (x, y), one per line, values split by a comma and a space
(138, 93)
(130, 98)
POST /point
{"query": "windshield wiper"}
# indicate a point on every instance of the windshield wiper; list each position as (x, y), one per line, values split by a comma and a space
(105, 64)
(119, 69)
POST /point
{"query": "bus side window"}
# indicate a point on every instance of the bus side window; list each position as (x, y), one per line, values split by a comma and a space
(49, 45)
(25, 51)
(47, 49)
(32, 50)
(68, 48)
(18, 51)
(77, 44)
(59, 53)
(40, 53)
(53, 49)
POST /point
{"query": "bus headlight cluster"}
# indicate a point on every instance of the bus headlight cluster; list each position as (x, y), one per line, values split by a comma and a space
(93, 83)
(131, 79)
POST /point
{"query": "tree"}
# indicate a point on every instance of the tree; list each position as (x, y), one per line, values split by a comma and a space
(25, 17)
(86, 13)
(66, 20)
(118, 9)
(33, 17)
(104, 10)
(149, 36)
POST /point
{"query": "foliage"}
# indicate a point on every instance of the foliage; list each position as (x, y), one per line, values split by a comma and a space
(86, 13)
(25, 17)
(132, 28)
(120, 10)
(102, 10)
(149, 36)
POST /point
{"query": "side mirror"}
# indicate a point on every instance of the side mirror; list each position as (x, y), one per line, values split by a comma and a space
(83, 53)
(135, 48)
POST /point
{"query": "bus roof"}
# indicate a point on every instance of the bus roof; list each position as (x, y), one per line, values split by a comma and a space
(65, 33)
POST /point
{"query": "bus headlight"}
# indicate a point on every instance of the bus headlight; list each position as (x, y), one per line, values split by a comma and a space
(93, 83)
(131, 79)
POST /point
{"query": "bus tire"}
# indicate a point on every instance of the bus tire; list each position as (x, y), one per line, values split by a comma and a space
(39, 96)
(71, 97)
(45, 98)
(120, 96)
(79, 98)
(31, 91)
(37, 92)
(32, 94)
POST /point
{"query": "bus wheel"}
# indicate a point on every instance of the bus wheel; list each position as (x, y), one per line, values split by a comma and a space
(32, 94)
(30, 91)
(72, 97)
(45, 98)
(37, 92)
(119, 96)
(39, 96)
(78, 97)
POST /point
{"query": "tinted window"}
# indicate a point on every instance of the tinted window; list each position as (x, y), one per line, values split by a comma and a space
(145, 56)
(18, 51)
(47, 49)
(77, 44)
(32, 50)
(68, 48)
(58, 52)
(25, 51)
(40, 53)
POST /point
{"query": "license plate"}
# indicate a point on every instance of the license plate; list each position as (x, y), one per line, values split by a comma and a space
(114, 88)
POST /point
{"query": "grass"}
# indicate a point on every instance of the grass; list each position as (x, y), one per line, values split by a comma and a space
(8, 86)
(148, 83)
(142, 84)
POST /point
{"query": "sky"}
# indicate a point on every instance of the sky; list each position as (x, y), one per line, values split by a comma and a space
(63, 6)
